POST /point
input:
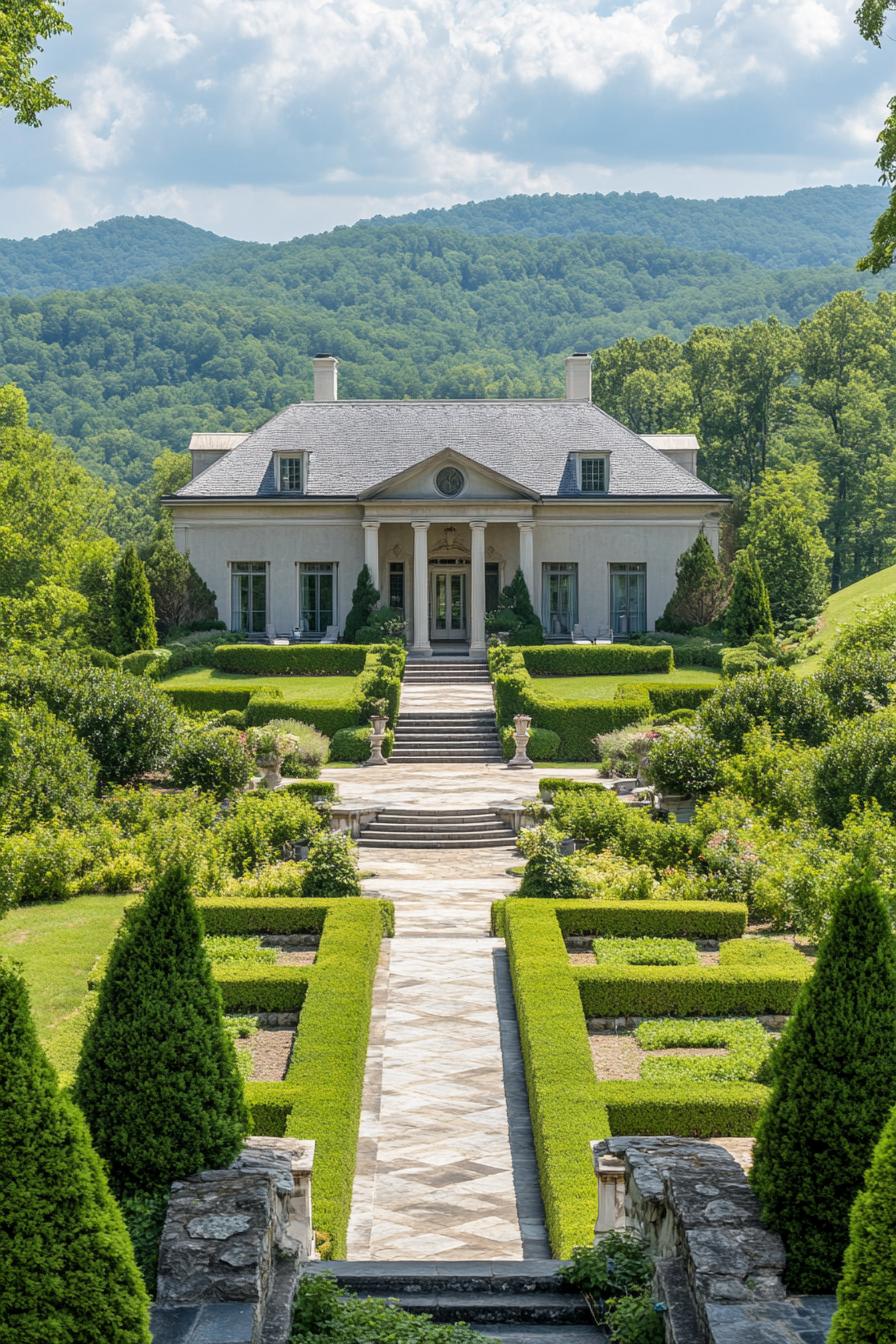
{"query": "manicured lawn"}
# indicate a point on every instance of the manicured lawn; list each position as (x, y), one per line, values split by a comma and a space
(591, 689)
(296, 689)
(844, 606)
(58, 946)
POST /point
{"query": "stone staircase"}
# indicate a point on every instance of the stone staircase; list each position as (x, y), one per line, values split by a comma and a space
(397, 828)
(517, 1302)
(459, 736)
(438, 670)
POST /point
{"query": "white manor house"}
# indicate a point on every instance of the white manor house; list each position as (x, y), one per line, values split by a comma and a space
(443, 500)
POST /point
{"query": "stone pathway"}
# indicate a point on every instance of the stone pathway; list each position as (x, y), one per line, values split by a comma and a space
(446, 1168)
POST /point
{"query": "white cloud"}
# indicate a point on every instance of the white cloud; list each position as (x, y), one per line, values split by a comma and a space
(108, 111)
(861, 123)
(154, 37)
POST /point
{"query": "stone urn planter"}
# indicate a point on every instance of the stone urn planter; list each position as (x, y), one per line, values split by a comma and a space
(677, 805)
(269, 765)
(522, 723)
(378, 726)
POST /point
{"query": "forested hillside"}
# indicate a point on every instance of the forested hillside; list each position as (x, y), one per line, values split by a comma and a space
(411, 309)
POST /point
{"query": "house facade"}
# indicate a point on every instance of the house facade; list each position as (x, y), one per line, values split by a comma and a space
(443, 500)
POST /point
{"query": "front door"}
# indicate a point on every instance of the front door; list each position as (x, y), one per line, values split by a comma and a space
(448, 604)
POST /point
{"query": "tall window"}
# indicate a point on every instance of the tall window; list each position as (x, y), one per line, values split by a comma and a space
(317, 597)
(249, 596)
(560, 598)
(593, 475)
(492, 585)
(396, 585)
(291, 474)
(628, 599)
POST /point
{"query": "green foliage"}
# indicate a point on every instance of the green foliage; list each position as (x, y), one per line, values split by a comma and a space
(547, 875)
(636, 1320)
(144, 1218)
(618, 1266)
(794, 707)
(67, 1272)
(783, 530)
(211, 759)
(384, 625)
(24, 27)
(295, 660)
(749, 610)
(332, 868)
(274, 879)
(858, 762)
(684, 760)
(652, 919)
(644, 952)
(543, 745)
(146, 662)
(308, 750)
(769, 984)
(597, 660)
(866, 1294)
(700, 589)
(778, 779)
(45, 772)
(364, 599)
(315, 790)
(179, 595)
(834, 1084)
(135, 626)
(260, 824)
(353, 744)
(514, 615)
(747, 1043)
(323, 1312)
(124, 722)
(157, 1080)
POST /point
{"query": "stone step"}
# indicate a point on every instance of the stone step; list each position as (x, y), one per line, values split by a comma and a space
(401, 1277)
(412, 813)
(385, 829)
(409, 739)
(472, 842)
(446, 758)
(486, 716)
(519, 1332)
(436, 822)
(544, 1308)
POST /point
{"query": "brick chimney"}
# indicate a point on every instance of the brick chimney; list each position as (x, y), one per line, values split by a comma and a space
(578, 377)
(326, 376)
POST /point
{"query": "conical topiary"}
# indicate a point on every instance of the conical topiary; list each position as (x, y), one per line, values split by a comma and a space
(135, 618)
(700, 589)
(67, 1270)
(364, 599)
(866, 1296)
(158, 1079)
(749, 612)
(833, 1086)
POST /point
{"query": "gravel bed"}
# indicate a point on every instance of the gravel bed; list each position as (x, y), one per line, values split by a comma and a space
(270, 1049)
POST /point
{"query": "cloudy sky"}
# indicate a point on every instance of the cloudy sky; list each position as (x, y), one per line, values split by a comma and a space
(270, 118)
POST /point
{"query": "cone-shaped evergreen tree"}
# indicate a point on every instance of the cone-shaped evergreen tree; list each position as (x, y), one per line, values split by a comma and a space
(158, 1079)
(749, 612)
(867, 1291)
(67, 1270)
(700, 589)
(135, 618)
(364, 599)
(516, 597)
(833, 1086)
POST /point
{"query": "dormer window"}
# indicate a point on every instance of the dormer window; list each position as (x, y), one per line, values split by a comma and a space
(291, 474)
(594, 474)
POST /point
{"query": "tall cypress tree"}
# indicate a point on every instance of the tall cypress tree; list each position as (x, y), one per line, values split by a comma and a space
(364, 599)
(67, 1270)
(135, 621)
(749, 612)
(834, 1084)
(866, 1296)
(158, 1079)
(700, 587)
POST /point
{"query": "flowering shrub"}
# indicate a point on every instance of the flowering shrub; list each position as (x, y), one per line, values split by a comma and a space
(684, 760)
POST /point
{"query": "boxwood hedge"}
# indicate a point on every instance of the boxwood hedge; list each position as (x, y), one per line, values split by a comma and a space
(596, 660)
(641, 919)
(294, 660)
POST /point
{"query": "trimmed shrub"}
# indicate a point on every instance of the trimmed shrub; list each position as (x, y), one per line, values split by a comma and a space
(684, 760)
(597, 660)
(125, 722)
(158, 1079)
(548, 875)
(385, 625)
(294, 660)
(67, 1272)
(794, 707)
(695, 1110)
(644, 952)
(220, 699)
(315, 790)
(833, 1086)
(749, 611)
(860, 681)
(747, 1042)
(858, 762)
(353, 744)
(211, 759)
(364, 599)
(666, 696)
(742, 659)
(654, 919)
(700, 589)
(326, 717)
(147, 662)
(515, 616)
(543, 745)
(332, 869)
(866, 1295)
(45, 772)
(132, 608)
(261, 823)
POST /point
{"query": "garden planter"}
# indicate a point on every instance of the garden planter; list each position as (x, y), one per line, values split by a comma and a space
(677, 805)
(522, 724)
(378, 725)
(270, 771)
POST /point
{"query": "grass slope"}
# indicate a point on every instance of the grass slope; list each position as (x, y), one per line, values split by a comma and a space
(843, 607)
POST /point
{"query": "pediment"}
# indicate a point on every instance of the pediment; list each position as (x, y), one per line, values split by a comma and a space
(420, 481)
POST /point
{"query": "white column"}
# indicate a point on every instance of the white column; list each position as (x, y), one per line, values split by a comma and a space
(421, 589)
(372, 552)
(477, 587)
(527, 559)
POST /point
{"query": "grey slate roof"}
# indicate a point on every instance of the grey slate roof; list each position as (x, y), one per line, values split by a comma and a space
(354, 445)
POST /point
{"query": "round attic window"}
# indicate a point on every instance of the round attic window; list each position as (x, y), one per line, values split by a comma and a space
(449, 481)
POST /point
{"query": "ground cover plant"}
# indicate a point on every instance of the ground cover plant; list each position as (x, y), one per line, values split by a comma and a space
(322, 1311)
(746, 1041)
